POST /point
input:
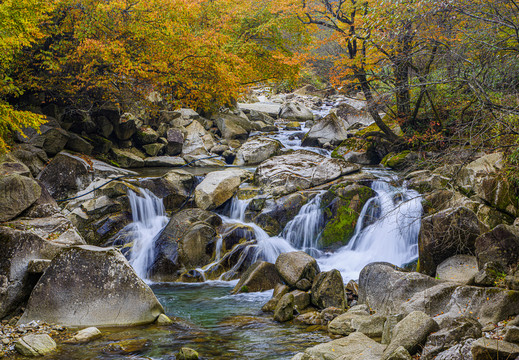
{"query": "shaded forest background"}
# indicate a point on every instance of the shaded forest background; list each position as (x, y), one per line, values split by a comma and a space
(445, 73)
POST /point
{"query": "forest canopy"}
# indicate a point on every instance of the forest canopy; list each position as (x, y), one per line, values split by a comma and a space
(437, 68)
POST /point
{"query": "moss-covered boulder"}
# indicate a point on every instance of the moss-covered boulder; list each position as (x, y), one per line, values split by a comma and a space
(342, 212)
(399, 161)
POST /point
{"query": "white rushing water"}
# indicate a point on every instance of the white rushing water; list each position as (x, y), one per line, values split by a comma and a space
(149, 218)
(387, 230)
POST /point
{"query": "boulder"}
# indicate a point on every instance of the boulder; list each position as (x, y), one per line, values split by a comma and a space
(257, 150)
(295, 112)
(85, 335)
(164, 161)
(446, 233)
(35, 345)
(483, 349)
(17, 193)
(32, 157)
(186, 353)
(273, 215)
(300, 170)
(78, 144)
(357, 346)
(400, 353)
(328, 290)
(233, 127)
(285, 308)
(369, 325)
(146, 135)
(500, 245)
(218, 187)
(261, 276)
(453, 332)
(188, 241)
(410, 291)
(401, 160)
(271, 109)
(126, 159)
(280, 290)
(343, 207)
(17, 250)
(91, 286)
(197, 140)
(67, 174)
(461, 351)
(301, 300)
(298, 269)
(458, 268)
(154, 149)
(512, 334)
(175, 140)
(173, 188)
(54, 140)
(330, 129)
(126, 126)
(411, 333)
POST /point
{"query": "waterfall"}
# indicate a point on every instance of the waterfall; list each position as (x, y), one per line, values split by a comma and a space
(303, 230)
(387, 230)
(149, 218)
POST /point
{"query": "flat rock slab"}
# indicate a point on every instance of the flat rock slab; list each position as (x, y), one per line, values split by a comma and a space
(35, 345)
(164, 161)
(459, 268)
(271, 109)
(356, 346)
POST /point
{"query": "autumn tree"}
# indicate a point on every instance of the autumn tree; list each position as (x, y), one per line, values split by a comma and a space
(193, 53)
(20, 22)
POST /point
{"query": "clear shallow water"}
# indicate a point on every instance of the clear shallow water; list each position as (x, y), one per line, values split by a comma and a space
(210, 321)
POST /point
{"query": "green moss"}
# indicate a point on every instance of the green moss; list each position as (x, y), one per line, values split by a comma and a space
(244, 289)
(397, 160)
(340, 230)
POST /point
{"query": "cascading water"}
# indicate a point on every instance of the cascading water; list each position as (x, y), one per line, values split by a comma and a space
(303, 230)
(387, 230)
(149, 218)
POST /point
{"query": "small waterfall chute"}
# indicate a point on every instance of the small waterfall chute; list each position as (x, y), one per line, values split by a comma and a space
(387, 230)
(149, 218)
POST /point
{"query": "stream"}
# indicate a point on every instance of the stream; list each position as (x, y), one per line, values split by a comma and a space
(222, 326)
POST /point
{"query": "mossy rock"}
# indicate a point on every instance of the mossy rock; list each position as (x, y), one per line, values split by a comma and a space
(343, 213)
(399, 161)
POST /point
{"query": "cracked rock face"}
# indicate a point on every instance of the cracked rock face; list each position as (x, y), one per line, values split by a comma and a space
(91, 286)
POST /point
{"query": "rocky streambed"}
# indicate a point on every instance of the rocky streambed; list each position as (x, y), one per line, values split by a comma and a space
(268, 205)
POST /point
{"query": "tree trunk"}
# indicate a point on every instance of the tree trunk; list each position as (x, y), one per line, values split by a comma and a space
(361, 77)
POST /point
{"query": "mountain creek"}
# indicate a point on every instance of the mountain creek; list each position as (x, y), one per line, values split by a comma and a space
(253, 234)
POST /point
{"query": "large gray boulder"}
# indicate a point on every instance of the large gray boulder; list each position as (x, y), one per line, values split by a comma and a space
(330, 129)
(175, 139)
(298, 269)
(17, 193)
(218, 187)
(126, 158)
(300, 170)
(500, 245)
(351, 321)
(328, 290)
(67, 174)
(187, 242)
(295, 112)
(17, 250)
(389, 290)
(233, 127)
(444, 234)
(411, 333)
(483, 349)
(261, 276)
(357, 346)
(452, 332)
(284, 310)
(91, 286)
(271, 109)
(257, 150)
(197, 140)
